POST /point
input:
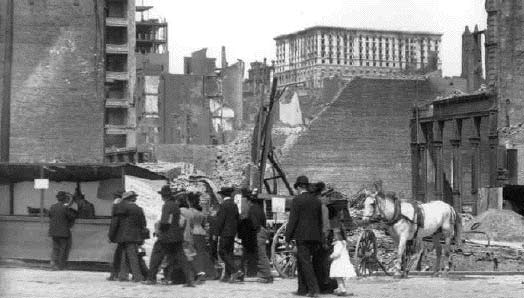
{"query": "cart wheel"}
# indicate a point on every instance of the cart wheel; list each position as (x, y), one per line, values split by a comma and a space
(366, 254)
(284, 257)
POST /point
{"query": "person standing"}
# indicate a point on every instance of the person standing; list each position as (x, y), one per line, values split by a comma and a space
(258, 219)
(130, 233)
(341, 268)
(305, 226)
(119, 259)
(203, 261)
(170, 240)
(61, 219)
(226, 225)
(86, 209)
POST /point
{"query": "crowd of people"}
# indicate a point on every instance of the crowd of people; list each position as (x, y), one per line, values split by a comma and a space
(189, 244)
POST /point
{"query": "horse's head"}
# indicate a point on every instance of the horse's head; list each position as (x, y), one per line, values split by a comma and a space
(370, 205)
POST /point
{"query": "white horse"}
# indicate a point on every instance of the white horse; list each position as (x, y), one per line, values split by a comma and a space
(436, 219)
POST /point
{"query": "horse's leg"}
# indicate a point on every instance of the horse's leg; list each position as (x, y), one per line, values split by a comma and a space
(447, 246)
(400, 255)
(438, 251)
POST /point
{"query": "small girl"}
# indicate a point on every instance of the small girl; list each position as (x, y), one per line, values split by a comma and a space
(341, 267)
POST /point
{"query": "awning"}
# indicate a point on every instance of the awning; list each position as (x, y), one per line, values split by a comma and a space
(17, 172)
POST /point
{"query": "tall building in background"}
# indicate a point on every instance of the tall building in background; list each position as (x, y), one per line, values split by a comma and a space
(152, 59)
(120, 113)
(308, 56)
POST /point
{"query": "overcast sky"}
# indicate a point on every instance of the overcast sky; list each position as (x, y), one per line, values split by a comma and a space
(247, 27)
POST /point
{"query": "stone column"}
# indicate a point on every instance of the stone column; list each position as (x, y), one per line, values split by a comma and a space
(493, 149)
(457, 164)
(474, 140)
(438, 159)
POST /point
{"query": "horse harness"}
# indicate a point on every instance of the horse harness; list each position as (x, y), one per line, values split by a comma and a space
(418, 214)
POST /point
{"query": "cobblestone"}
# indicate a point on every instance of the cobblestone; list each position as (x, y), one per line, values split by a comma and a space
(26, 283)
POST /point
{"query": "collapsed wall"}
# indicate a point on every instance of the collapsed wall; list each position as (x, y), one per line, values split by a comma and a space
(362, 136)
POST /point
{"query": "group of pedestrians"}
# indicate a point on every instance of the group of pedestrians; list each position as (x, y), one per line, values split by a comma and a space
(188, 243)
(322, 268)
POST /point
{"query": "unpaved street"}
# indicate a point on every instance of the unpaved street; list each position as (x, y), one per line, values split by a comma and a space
(24, 283)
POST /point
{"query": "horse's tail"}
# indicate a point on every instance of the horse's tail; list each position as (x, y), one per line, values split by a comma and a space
(457, 224)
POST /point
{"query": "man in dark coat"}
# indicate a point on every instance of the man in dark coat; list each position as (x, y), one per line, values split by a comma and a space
(170, 240)
(258, 219)
(119, 259)
(305, 226)
(85, 208)
(130, 232)
(226, 225)
(61, 219)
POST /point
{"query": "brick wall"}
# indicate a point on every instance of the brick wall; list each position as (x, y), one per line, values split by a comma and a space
(184, 110)
(232, 90)
(57, 105)
(361, 137)
(505, 69)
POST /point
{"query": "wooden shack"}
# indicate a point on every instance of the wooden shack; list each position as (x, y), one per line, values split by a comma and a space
(25, 236)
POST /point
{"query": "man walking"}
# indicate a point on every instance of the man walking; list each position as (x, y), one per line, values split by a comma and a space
(119, 258)
(258, 219)
(61, 219)
(305, 226)
(130, 233)
(226, 225)
(170, 240)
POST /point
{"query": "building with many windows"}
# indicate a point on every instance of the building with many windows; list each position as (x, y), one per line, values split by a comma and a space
(308, 56)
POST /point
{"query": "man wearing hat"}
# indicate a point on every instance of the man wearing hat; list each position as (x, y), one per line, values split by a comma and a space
(119, 259)
(170, 240)
(305, 226)
(226, 227)
(129, 233)
(61, 218)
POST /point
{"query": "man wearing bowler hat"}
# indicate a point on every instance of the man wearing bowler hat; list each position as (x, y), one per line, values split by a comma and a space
(226, 227)
(305, 226)
(130, 233)
(61, 218)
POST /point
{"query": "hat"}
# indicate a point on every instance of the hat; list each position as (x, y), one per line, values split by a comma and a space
(118, 193)
(226, 191)
(62, 195)
(129, 194)
(166, 190)
(301, 181)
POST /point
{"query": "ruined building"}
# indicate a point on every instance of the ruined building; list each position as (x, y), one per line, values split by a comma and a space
(468, 149)
(53, 74)
(120, 80)
(472, 58)
(310, 55)
(152, 59)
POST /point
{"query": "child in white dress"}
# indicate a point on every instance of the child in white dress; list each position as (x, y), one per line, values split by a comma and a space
(341, 268)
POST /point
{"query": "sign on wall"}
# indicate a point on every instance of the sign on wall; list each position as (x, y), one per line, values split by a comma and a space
(41, 183)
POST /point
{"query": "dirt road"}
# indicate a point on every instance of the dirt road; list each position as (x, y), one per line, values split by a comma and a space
(24, 283)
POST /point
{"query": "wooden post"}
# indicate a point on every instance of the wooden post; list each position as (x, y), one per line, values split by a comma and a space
(11, 198)
(415, 157)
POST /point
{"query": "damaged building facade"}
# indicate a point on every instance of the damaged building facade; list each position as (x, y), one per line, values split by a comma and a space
(468, 149)
(152, 59)
(310, 55)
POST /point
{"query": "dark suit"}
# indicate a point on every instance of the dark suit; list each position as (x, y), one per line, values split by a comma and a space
(61, 219)
(305, 226)
(226, 225)
(119, 266)
(169, 243)
(258, 218)
(127, 232)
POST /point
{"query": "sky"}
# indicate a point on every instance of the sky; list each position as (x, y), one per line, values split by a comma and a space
(247, 28)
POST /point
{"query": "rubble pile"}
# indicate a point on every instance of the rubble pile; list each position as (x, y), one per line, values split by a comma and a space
(233, 161)
(500, 225)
